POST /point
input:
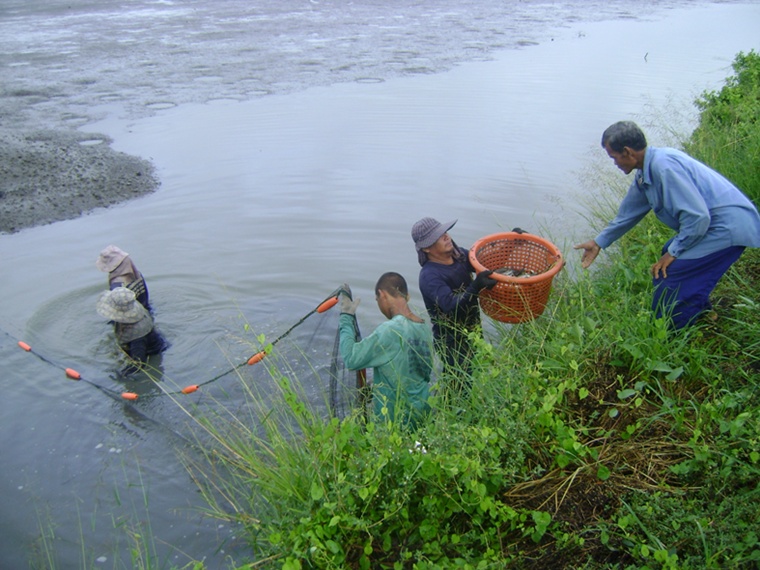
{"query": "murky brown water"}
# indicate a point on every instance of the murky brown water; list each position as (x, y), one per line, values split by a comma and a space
(297, 142)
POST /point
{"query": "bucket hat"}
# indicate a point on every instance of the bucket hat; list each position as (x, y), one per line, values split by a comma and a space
(120, 305)
(110, 258)
(426, 232)
(132, 331)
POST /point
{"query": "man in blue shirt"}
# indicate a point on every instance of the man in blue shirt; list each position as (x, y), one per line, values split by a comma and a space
(450, 294)
(712, 219)
(400, 351)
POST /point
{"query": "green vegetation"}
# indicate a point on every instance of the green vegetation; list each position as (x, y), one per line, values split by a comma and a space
(728, 136)
(593, 437)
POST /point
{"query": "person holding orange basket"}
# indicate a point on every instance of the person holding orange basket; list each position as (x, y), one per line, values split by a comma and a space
(450, 294)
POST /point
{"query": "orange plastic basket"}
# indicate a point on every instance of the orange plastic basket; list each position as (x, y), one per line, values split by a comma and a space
(516, 299)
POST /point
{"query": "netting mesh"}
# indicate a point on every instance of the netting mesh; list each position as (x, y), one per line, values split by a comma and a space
(344, 387)
(524, 266)
(310, 358)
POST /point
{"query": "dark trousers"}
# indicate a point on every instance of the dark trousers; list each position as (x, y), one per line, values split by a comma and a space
(685, 294)
(456, 351)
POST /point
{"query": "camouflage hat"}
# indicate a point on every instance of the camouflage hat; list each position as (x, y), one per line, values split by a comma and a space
(120, 305)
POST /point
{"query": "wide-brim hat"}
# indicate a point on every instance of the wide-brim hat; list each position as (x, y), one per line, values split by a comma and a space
(120, 305)
(427, 231)
(110, 258)
(127, 332)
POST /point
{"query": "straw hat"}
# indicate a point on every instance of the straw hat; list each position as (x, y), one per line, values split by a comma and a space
(110, 258)
(120, 305)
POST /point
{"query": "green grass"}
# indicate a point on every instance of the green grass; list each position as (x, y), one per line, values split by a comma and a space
(593, 437)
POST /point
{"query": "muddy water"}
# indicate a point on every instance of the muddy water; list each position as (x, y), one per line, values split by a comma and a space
(296, 143)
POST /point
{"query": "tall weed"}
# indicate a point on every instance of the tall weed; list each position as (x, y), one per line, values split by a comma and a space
(592, 437)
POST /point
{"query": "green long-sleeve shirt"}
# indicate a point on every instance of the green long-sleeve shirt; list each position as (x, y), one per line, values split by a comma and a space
(400, 352)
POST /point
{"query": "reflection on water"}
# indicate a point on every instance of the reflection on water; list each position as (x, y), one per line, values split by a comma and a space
(267, 205)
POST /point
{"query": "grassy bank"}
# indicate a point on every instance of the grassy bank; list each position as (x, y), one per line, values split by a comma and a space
(592, 437)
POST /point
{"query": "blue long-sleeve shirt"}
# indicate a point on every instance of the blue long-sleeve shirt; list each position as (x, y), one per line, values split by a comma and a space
(707, 212)
(450, 298)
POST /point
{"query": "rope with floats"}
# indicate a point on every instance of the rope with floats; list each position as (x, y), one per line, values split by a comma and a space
(328, 303)
(70, 372)
(115, 395)
(324, 306)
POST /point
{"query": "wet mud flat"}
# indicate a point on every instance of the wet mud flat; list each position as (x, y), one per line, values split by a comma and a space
(65, 65)
(52, 175)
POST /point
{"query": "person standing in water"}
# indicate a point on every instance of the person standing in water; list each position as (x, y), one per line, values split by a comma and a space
(133, 326)
(450, 294)
(122, 272)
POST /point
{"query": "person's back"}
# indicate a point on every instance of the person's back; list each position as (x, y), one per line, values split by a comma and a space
(731, 217)
(400, 351)
(122, 272)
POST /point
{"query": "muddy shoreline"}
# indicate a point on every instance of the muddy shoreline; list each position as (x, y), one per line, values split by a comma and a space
(48, 176)
(63, 69)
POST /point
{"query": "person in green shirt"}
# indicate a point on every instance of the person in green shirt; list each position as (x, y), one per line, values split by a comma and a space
(400, 352)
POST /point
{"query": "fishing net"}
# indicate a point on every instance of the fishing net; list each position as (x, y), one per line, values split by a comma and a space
(66, 361)
(221, 369)
(285, 353)
(309, 354)
(289, 371)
